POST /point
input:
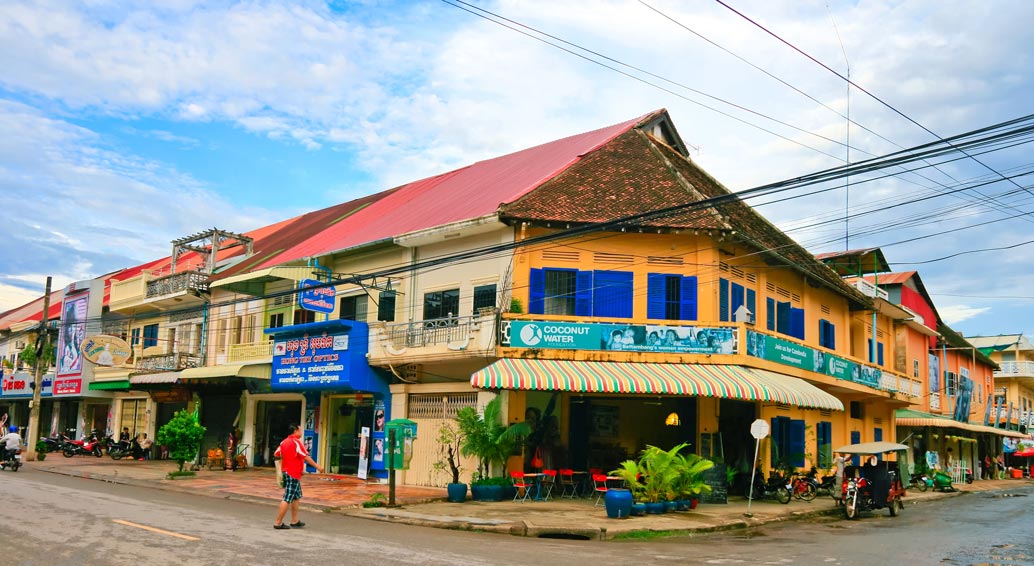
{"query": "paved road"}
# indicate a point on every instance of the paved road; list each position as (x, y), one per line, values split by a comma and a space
(53, 519)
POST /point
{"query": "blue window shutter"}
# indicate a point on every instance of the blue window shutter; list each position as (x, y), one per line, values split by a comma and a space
(831, 339)
(879, 353)
(783, 318)
(770, 314)
(822, 332)
(655, 295)
(688, 309)
(877, 435)
(752, 303)
(537, 291)
(723, 299)
(797, 323)
(868, 350)
(856, 437)
(583, 294)
(612, 294)
(796, 443)
(824, 449)
(737, 299)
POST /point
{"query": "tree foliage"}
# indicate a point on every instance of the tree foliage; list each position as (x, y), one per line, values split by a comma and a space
(486, 438)
(182, 435)
(28, 355)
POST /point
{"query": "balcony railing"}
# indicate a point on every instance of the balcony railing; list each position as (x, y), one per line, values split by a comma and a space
(440, 331)
(177, 282)
(250, 351)
(1015, 369)
(169, 362)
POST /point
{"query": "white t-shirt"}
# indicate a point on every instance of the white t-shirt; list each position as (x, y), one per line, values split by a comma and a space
(12, 440)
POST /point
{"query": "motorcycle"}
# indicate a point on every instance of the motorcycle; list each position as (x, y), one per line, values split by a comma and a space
(52, 443)
(828, 485)
(86, 447)
(118, 449)
(12, 459)
(777, 487)
(921, 481)
(942, 481)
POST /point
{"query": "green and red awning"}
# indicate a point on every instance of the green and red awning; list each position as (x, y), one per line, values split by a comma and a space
(704, 380)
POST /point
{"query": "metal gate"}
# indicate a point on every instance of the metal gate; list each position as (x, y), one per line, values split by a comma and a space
(430, 412)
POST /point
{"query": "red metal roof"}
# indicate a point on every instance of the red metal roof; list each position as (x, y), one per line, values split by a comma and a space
(470, 192)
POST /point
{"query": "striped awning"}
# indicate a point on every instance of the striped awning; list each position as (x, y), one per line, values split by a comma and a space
(161, 377)
(704, 380)
(909, 417)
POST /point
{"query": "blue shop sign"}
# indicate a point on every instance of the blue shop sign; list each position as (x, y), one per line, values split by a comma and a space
(313, 297)
(323, 356)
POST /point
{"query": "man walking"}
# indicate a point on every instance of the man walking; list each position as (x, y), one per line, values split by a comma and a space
(294, 456)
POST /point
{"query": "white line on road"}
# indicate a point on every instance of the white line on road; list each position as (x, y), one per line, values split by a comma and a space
(154, 530)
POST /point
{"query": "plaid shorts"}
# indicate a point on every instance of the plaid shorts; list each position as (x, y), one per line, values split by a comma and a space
(292, 488)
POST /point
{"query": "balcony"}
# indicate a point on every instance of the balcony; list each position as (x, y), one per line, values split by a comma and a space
(252, 351)
(168, 362)
(128, 296)
(177, 290)
(870, 290)
(1015, 369)
(441, 339)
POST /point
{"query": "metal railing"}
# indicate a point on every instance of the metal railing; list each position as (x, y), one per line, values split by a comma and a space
(439, 331)
(169, 362)
(250, 351)
(1015, 369)
(177, 282)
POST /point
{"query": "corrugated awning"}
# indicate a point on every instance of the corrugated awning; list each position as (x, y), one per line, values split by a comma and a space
(161, 377)
(709, 380)
(908, 417)
(253, 283)
(258, 370)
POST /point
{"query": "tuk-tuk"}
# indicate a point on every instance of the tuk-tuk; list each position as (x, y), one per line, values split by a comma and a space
(877, 483)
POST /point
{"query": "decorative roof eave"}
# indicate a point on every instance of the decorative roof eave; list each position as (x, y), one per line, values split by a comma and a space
(954, 340)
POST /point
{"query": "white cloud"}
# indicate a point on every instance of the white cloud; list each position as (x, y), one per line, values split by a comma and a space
(955, 314)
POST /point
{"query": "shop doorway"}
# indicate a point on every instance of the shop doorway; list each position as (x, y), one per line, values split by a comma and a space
(734, 420)
(271, 421)
(348, 414)
(218, 413)
(97, 419)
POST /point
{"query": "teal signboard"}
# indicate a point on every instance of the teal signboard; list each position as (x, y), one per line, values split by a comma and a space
(793, 354)
(623, 337)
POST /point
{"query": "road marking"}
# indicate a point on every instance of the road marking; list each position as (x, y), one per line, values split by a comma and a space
(154, 530)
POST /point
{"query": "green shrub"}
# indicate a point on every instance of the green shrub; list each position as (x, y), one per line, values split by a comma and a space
(182, 436)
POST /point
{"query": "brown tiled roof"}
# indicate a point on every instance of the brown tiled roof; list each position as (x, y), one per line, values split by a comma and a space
(634, 174)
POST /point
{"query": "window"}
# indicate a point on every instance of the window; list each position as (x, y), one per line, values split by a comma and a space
(827, 335)
(671, 297)
(150, 335)
(856, 410)
(441, 304)
(135, 337)
(386, 306)
(276, 320)
(353, 308)
(787, 442)
(824, 443)
(915, 368)
(951, 383)
(879, 352)
(612, 293)
(732, 296)
(302, 316)
(484, 297)
(134, 415)
(785, 319)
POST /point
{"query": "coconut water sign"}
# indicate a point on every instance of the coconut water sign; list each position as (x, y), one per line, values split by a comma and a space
(571, 336)
(316, 296)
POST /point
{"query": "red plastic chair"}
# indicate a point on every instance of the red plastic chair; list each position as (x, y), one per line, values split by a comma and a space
(546, 483)
(568, 488)
(599, 487)
(522, 486)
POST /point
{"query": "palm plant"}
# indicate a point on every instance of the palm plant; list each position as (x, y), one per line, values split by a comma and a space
(486, 438)
(659, 472)
(630, 472)
(690, 481)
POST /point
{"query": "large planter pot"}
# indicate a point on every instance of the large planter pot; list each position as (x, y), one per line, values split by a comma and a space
(477, 492)
(457, 492)
(681, 504)
(638, 509)
(493, 492)
(655, 508)
(693, 503)
(669, 506)
(618, 503)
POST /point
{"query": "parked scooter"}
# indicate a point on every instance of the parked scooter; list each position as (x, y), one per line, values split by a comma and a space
(921, 481)
(942, 481)
(118, 449)
(53, 443)
(12, 459)
(777, 487)
(86, 447)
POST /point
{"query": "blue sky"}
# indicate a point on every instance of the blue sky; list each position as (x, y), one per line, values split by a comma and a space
(129, 125)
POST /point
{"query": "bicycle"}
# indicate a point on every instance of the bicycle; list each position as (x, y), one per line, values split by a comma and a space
(803, 487)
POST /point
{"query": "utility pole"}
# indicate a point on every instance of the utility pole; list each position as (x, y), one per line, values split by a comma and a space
(42, 340)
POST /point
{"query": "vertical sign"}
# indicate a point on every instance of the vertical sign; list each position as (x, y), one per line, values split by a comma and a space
(364, 452)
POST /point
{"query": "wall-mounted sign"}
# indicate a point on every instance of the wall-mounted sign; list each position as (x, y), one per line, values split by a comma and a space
(793, 354)
(19, 384)
(71, 336)
(105, 350)
(313, 297)
(621, 337)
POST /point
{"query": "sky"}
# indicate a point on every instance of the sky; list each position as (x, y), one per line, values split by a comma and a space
(128, 125)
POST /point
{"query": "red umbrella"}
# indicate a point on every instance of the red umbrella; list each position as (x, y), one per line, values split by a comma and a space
(1025, 453)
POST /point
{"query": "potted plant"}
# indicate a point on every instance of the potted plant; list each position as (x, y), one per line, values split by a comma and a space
(690, 483)
(41, 450)
(658, 474)
(485, 437)
(449, 440)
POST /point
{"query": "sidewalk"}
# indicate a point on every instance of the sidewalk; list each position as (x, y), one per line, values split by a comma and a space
(421, 506)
